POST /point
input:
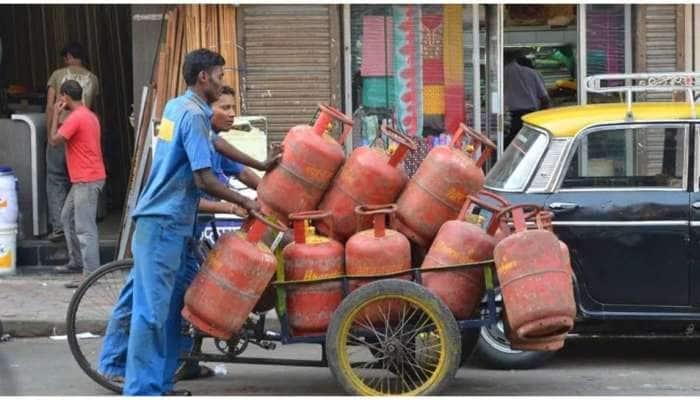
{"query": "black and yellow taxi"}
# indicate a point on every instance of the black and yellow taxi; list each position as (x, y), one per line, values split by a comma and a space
(623, 180)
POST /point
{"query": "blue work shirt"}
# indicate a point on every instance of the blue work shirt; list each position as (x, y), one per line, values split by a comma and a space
(183, 147)
(222, 166)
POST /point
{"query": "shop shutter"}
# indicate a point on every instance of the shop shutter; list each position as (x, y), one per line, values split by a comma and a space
(291, 62)
(658, 52)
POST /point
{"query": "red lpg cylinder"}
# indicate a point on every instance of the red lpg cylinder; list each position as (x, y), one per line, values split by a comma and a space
(268, 299)
(442, 183)
(376, 251)
(535, 282)
(551, 343)
(230, 282)
(310, 159)
(459, 242)
(544, 221)
(369, 176)
(310, 257)
(547, 343)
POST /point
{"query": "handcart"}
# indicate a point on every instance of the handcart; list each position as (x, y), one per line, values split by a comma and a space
(390, 336)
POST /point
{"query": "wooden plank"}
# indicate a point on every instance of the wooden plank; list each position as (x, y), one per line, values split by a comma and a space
(136, 175)
(227, 46)
(202, 24)
(179, 47)
(161, 79)
(195, 29)
(214, 44)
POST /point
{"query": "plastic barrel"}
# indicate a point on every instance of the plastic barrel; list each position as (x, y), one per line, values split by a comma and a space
(8, 196)
(8, 249)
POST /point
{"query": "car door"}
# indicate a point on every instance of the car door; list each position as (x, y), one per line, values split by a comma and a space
(695, 222)
(622, 207)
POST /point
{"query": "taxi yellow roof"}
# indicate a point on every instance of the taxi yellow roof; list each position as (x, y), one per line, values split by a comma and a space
(568, 121)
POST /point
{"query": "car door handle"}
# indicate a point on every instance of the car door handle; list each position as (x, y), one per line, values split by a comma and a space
(562, 206)
(696, 205)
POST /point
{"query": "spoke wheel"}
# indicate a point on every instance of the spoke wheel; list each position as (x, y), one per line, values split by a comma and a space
(88, 313)
(393, 337)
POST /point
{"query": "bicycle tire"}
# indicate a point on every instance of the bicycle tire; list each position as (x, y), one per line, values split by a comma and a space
(71, 331)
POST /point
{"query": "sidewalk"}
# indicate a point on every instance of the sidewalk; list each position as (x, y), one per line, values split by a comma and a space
(34, 304)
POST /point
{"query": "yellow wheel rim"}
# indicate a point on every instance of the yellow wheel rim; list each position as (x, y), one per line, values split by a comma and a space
(392, 345)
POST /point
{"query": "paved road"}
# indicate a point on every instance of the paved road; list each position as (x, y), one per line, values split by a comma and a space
(585, 367)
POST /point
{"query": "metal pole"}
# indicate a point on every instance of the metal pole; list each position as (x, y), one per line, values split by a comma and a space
(688, 31)
(499, 77)
(476, 63)
(696, 43)
(583, 52)
(347, 69)
(628, 42)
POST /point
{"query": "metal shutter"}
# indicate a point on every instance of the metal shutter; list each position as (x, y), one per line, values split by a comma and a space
(658, 50)
(291, 62)
(658, 45)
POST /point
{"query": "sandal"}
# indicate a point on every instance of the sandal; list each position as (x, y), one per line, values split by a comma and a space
(181, 392)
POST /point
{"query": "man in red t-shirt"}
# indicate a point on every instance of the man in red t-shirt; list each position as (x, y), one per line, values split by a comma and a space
(81, 133)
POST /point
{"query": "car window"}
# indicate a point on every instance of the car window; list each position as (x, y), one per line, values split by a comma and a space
(513, 170)
(629, 157)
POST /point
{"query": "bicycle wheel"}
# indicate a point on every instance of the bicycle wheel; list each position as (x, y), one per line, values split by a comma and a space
(88, 314)
(393, 337)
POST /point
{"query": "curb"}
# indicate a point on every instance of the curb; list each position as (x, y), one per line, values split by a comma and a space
(22, 328)
(31, 329)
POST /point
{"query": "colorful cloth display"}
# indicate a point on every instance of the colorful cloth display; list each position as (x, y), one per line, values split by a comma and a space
(375, 93)
(377, 57)
(453, 67)
(434, 99)
(432, 50)
(408, 69)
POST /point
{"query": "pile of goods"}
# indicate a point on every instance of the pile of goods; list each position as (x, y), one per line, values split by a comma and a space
(369, 216)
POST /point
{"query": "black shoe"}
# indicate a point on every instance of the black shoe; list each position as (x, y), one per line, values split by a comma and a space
(67, 269)
(178, 393)
(56, 236)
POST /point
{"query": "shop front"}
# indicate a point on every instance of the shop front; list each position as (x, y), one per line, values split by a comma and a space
(425, 68)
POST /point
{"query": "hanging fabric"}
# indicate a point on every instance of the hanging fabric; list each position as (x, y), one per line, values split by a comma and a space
(408, 71)
(453, 67)
(376, 48)
(433, 75)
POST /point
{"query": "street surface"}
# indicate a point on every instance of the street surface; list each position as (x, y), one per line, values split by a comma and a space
(585, 367)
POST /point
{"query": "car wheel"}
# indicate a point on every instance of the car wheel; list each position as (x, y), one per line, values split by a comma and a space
(470, 337)
(493, 351)
(492, 348)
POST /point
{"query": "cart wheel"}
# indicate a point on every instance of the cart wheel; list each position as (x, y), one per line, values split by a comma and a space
(393, 337)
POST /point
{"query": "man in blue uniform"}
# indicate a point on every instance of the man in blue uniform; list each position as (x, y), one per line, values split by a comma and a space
(164, 217)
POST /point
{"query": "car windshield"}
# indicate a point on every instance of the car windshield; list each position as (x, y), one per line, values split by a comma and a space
(515, 167)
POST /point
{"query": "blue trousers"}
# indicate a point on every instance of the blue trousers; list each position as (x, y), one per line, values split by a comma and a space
(146, 319)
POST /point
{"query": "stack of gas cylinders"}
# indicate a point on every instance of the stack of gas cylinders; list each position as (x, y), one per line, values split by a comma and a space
(360, 217)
